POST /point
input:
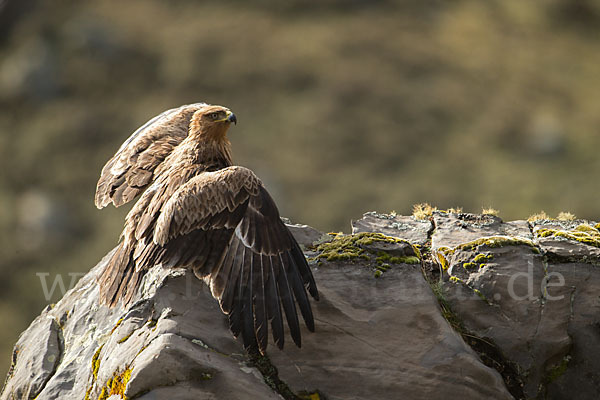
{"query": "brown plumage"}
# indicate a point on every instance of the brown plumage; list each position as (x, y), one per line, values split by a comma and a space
(200, 212)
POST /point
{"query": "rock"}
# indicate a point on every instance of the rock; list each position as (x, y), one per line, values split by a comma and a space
(501, 302)
(174, 341)
(42, 355)
(579, 308)
(409, 228)
(515, 315)
(304, 234)
(561, 239)
(454, 229)
(377, 337)
(510, 291)
(573, 256)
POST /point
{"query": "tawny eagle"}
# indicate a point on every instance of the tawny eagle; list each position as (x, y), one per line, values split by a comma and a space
(199, 211)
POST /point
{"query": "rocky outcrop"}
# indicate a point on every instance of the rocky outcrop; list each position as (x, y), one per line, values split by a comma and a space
(532, 291)
(457, 306)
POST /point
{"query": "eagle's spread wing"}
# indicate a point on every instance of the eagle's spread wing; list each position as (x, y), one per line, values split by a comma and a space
(262, 268)
(131, 169)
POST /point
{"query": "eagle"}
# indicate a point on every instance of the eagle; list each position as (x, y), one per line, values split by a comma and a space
(198, 211)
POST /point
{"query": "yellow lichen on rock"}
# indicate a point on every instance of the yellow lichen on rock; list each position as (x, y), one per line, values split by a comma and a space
(583, 233)
(309, 396)
(491, 242)
(116, 385)
(96, 362)
(483, 258)
(441, 257)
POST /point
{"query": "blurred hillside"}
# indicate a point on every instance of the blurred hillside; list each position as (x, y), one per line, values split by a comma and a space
(343, 107)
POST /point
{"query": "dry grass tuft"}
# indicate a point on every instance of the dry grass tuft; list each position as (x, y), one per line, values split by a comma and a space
(539, 216)
(566, 216)
(423, 211)
(489, 211)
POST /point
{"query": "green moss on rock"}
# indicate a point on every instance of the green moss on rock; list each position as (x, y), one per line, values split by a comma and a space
(438, 290)
(383, 257)
(271, 376)
(344, 247)
(480, 294)
(352, 247)
(496, 242)
(558, 370)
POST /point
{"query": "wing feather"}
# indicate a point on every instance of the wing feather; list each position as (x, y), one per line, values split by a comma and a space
(287, 301)
(304, 269)
(132, 168)
(274, 305)
(279, 279)
(300, 294)
(238, 283)
(207, 201)
(248, 336)
(226, 226)
(260, 307)
(230, 268)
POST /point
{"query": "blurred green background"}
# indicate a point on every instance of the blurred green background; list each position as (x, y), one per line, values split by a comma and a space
(343, 107)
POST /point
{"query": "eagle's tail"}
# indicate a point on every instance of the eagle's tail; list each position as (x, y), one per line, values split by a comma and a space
(119, 280)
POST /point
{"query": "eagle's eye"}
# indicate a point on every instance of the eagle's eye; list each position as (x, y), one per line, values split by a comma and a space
(213, 115)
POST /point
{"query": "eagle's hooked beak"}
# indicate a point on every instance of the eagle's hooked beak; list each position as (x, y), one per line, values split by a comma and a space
(231, 117)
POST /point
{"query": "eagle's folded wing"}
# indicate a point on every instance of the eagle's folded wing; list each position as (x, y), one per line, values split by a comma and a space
(262, 268)
(132, 168)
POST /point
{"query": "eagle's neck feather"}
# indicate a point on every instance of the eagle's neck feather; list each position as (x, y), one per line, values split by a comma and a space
(215, 154)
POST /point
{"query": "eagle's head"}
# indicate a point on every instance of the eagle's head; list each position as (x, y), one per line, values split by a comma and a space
(212, 122)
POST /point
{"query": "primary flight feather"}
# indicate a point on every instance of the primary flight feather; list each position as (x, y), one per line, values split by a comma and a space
(198, 211)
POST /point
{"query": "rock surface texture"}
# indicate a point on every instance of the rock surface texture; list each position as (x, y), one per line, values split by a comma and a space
(457, 306)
